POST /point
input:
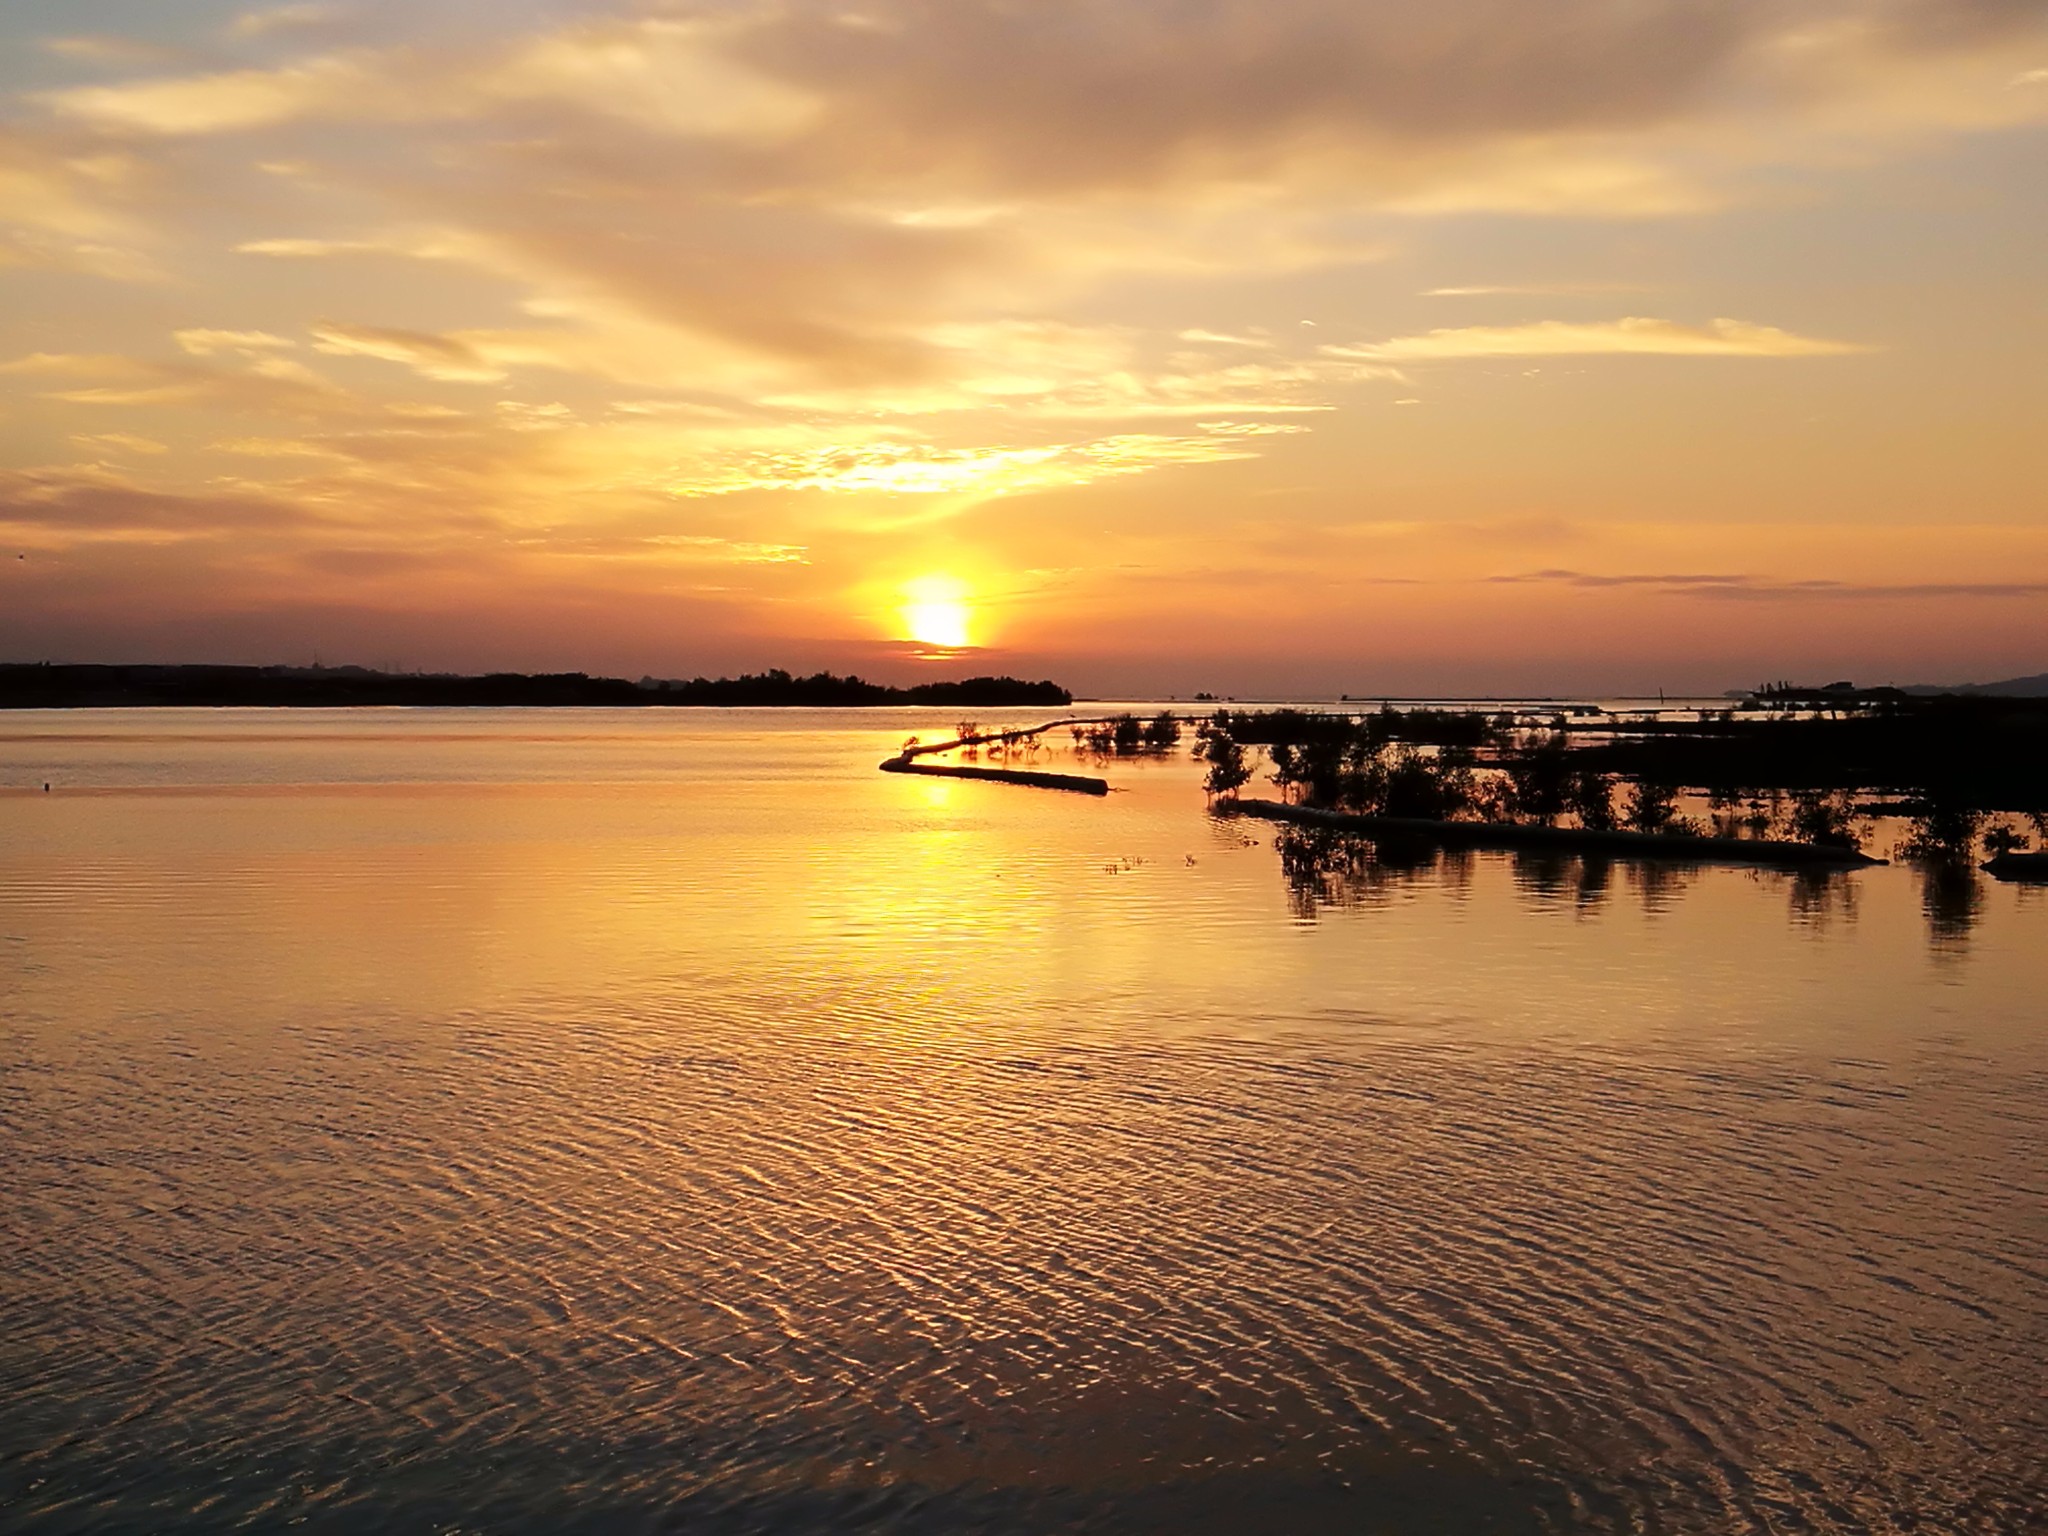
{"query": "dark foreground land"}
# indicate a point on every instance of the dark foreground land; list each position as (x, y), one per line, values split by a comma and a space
(113, 687)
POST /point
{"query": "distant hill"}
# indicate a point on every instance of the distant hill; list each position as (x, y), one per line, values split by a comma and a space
(2035, 687)
(26, 686)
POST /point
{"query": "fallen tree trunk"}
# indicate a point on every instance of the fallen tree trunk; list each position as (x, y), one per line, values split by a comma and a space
(1507, 834)
(1079, 783)
(1003, 738)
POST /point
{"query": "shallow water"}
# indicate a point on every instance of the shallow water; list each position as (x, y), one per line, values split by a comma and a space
(506, 1121)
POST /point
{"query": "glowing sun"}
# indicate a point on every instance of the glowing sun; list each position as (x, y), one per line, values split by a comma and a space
(935, 613)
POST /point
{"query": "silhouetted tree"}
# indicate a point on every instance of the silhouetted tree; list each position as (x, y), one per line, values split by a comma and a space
(2004, 839)
(1651, 807)
(1228, 770)
(1162, 732)
(1943, 832)
(1435, 788)
(1539, 774)
(1590, 796)
(1823, 818)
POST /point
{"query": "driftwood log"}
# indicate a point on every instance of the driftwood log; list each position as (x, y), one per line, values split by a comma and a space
(1080, 783)
(998, 738)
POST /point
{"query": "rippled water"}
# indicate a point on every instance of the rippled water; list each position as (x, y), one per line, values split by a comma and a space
(585, 1121)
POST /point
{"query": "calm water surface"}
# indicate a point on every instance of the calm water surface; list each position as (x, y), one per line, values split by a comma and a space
(590, 1121)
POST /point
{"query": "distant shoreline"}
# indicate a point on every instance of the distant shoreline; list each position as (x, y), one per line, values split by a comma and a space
(53, 686)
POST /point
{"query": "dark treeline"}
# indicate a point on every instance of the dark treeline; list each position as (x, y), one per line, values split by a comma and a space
(779, 687)
(1986, 753)
(1300, 727)
(104, 687)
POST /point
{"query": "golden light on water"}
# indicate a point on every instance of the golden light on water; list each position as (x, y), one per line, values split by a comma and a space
(935, 612)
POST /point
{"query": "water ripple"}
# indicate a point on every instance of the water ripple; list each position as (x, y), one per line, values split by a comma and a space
(990, 1279)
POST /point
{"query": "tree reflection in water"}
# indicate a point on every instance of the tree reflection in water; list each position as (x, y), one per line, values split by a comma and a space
(1543, 878)
(1334, 869)
(1325, 868)
(1952, 896)
(1595, 879)
(1658, 885)
(1557, 879)
(1329, 869)
(1819, 896)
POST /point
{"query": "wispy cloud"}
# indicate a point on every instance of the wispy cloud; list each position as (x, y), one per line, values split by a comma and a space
(201, 342)
(1485, 290)
(1224, 339)
(309, 249)
(664, 75)
(1631, 336)
(232, 102)
(119, 443)
(1768, 589)
(916, 469)
(281, 18)
(431, 355)
(95, 502)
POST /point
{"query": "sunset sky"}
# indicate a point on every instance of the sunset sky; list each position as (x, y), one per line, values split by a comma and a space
(1153, 345)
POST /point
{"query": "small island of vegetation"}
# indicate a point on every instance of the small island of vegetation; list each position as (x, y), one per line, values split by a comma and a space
(1788, 776)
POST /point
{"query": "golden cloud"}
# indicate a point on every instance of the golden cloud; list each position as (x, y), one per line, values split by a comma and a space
(663, 75)
(201, 342)
(280, 18)
(434, 356)
(119, 442)
(231, 102)
(915, 469)
(1631, 336)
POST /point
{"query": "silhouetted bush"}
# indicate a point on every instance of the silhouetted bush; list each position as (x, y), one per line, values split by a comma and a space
(1824, 818)
(1228, 770)
(1127, 735)
(1437, 788)
(1590, 797)
(1943, 833)
(2003, 839)
(1651, 807)
(1540, 778)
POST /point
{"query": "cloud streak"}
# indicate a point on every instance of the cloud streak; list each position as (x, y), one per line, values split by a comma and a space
(1746, 588)
(1633, 336)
